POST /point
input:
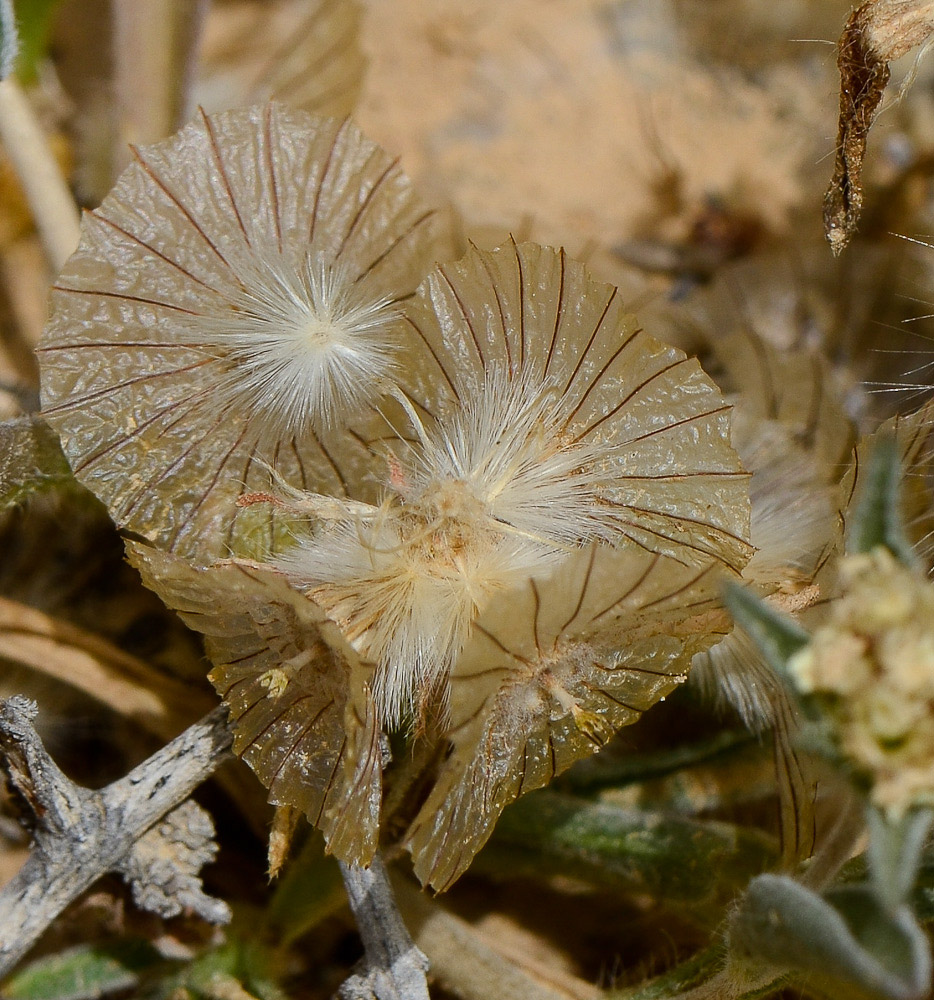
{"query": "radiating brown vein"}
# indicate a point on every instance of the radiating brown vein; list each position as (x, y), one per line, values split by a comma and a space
(123, 297)
(99, 216)
(323, 177)
(70, 404)
(678, 423)
(271, 169)
(464, 314)
(212, 138)
(154, 177)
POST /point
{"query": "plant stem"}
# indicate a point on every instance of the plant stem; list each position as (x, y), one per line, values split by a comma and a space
(49, 198)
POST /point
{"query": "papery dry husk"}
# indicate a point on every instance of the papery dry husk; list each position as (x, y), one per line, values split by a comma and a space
(914, 439)
(131, 360)
(551, 672)
(298, 694)
(669, 468)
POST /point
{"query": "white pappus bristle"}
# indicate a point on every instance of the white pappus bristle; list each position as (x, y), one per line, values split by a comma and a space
(305, 346)
(487, 496)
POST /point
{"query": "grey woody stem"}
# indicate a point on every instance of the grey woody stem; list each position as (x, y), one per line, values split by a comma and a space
(80, 834)
(393, 969)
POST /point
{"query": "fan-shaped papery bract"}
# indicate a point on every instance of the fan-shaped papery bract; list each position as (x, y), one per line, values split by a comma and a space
(666, 474)
(538, 418)
(230, 308)
(551, 672)
(298, 694)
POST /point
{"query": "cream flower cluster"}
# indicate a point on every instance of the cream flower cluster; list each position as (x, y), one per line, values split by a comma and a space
(874, 664)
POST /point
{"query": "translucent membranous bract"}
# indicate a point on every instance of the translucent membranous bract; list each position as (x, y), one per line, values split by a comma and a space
(299, 702)
(484, 506)
(304, 52)
(549, 675)
(537, 418)
(232, 307)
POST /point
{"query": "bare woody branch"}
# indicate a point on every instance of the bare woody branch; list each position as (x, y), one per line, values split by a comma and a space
(393, 969)
(80, 834)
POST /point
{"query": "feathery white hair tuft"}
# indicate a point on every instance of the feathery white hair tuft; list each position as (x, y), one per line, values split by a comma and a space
(306, 347)
(488, 495)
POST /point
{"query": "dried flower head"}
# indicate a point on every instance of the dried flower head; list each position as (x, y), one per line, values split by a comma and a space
(550, 673)
(231, 306)
(872, 665)
(537, 418)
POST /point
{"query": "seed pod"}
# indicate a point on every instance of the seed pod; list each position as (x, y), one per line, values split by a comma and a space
(298, 694)
(231, 307)
(551, 672)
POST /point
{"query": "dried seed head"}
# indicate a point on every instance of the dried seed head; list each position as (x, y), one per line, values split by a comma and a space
(231, 307)
(304, 52)
(667, 470)
(550, 672)
(298, 694)
(522, 442)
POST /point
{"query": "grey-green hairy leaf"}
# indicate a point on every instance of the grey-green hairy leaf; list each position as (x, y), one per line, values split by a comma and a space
(894, 853)
(776, 635)
(668, 857)
(82, 973)
(9, 39)
(846, 939)
(877, 519)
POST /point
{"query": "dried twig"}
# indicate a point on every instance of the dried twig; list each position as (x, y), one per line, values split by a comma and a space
(875, 34)
(81, 834)
(394, 969)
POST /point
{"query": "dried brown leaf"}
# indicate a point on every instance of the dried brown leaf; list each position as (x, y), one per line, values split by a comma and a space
(298, 694)
(875, 34)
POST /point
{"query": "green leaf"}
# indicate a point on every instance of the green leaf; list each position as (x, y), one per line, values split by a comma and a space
(83, 973)
(670, 858)
(31, 460)
(846, 939)
(711, 974)
(34, 20)
(876, 519)
(234, 968)
(894, 853)
(775, 634)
